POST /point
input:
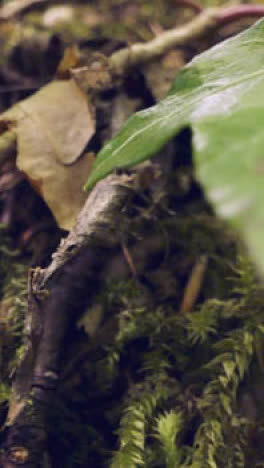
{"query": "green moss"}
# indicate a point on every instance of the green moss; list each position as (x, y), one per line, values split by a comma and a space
(4, 392)
(210, 350)
(161, 362)
(12, 313)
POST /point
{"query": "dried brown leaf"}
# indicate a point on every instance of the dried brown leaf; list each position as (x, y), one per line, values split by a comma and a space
(61, 118)
(53, 127)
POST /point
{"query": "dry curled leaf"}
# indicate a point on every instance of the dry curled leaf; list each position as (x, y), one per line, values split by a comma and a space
(59, 185)
(61, 118)
(53, 127)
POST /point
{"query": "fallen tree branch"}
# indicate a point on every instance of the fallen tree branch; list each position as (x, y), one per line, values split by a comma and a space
(94, 225)
(77, 264)
(57, 295)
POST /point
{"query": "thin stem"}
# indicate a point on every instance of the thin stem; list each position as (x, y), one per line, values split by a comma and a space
(124, 59)
(227, 15)
(16, 7)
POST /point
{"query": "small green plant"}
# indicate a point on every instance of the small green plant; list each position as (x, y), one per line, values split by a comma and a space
(168, 427)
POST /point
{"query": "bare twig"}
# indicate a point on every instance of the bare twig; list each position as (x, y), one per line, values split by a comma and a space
(194, 284)
(228, 15)
(137, 54)
(206, 21)
(17, 6)
(128, 259)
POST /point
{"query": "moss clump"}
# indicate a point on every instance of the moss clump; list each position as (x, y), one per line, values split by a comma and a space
(194, 365)
(12, 309)
(166, 390)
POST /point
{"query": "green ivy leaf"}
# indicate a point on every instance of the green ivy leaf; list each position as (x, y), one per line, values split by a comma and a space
(220, 95)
